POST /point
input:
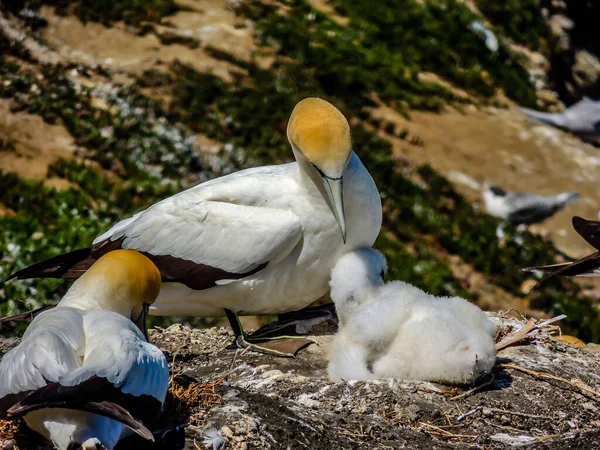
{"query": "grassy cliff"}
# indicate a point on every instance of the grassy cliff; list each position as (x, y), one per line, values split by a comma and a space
(138, 144)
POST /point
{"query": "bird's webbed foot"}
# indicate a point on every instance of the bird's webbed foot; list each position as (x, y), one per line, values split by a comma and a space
(276, 338)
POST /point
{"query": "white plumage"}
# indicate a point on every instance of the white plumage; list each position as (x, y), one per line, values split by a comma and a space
(82, 353)
(581, 118)
(395, 330)
(259, 241)
(524, 208)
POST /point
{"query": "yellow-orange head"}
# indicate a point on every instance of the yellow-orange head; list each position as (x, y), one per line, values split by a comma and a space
(122, 281)
(321, 133)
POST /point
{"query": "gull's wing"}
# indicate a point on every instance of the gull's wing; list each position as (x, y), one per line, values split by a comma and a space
(554, 119)
(527, 208)
(589, 230)
(199, 242)
(583, 116)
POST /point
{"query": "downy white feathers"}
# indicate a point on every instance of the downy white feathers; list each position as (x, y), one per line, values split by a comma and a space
(395, 330)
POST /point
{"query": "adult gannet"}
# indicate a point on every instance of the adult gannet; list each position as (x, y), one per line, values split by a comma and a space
(523, 208)
(395, 330)
(84, 375)
(588, 266)
(258, 241)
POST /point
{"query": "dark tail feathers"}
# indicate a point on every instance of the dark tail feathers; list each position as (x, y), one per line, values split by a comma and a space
(68, 265)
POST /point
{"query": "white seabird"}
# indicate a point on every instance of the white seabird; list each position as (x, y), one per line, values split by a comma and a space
(84, 375)
(259, 241)
(395, 330)
(581, 118)
(523, 208)
(488, 36)
(588, 266)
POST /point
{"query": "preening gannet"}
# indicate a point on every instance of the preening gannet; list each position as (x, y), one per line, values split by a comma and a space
(258, 241)
(588, 266)
(395, 330)
(523, 208)
(84, 375)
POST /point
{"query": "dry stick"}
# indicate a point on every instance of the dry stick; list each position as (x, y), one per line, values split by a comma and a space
(445, 433)
(503, 427)
(517, 336)
(525, 330)
(475, 389)
(549, 321)
(515, 413)
(467, 414)
(577, 383)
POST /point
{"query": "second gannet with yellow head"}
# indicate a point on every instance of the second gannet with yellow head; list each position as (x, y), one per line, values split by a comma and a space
(258, 241)
(84, 375)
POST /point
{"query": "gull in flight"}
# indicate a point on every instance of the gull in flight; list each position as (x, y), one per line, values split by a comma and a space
(258, 241)
(523, 208)
(395, 330)
(84, 375)
(588, 266)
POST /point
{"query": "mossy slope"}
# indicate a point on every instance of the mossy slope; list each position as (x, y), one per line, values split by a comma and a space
(147, 146)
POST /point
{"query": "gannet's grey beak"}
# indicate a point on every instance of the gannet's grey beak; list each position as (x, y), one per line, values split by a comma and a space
(334, 188)
(142, 320)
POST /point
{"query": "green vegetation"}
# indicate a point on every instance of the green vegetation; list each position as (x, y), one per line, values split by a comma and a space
(142, 149)
(435, 36)
(522, 21)
(133, 12)
(385, 46)
(43, 226)
(251, 114)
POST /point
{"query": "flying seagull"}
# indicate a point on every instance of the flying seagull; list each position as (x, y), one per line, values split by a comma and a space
(258, 241)
(523, 208)
(588, 266)
(84, 375)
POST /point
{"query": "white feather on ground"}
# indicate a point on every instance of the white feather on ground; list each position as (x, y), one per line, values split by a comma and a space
(396, 330)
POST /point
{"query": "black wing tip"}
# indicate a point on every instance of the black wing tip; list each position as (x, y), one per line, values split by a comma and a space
(53, 267)
(18, 275)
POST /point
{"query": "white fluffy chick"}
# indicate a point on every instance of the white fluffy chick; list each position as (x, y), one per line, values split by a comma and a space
(395, 330)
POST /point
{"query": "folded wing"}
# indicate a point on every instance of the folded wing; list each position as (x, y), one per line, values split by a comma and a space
(111, 371)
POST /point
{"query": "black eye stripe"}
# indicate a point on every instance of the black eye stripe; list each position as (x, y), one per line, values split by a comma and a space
(322, 174)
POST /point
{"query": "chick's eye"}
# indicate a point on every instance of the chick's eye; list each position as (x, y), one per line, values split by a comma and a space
(382, 274)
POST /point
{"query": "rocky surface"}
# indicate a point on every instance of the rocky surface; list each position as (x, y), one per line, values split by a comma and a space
(543, 394)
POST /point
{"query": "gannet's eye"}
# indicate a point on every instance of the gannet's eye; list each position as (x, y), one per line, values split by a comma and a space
(382, 274)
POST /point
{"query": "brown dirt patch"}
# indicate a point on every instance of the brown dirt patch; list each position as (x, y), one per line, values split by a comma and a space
(118, 48)
(28, 145)
(503, 147)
